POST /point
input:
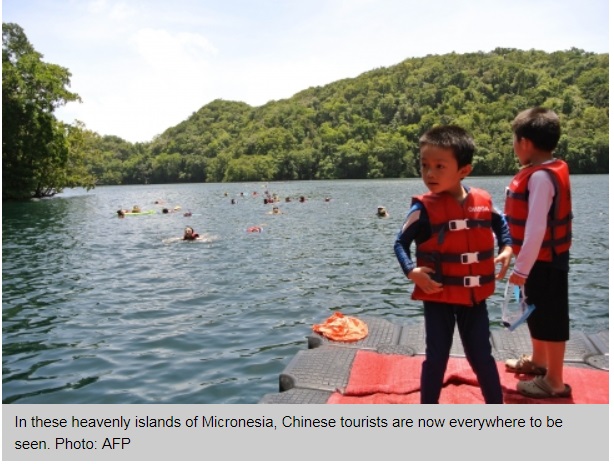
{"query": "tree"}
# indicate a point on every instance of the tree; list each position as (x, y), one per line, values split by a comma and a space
(83, 151)
(36, 156)
(389, 149)
(370, 126)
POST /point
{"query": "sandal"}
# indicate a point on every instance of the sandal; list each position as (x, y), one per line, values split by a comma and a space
(539, 388)
(524, 365)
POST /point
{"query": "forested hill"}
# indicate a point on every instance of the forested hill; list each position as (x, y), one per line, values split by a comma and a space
(368, 126)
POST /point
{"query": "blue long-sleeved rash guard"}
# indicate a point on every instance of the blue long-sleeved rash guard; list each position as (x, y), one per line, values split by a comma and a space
(420, 230)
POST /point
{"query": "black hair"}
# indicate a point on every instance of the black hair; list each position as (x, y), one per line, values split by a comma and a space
(454, 137)
(539, 125)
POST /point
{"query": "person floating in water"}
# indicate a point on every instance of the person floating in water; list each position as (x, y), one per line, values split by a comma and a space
(381, 212)
(276, 210)
(136, 209)
(190, 234)
(121, 213)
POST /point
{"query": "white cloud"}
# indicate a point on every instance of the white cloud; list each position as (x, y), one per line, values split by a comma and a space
(121, 12)
(180, 52)
(154, 88)
(96, 6)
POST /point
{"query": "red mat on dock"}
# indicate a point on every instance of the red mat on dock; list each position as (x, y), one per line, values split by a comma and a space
(395, 379)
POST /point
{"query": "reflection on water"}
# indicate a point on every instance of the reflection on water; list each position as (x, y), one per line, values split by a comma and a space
(98, 309)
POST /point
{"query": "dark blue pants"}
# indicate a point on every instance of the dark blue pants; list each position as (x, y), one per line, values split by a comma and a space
(474, 331)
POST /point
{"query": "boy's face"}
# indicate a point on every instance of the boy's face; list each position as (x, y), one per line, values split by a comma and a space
(523, 148)
(440, 171)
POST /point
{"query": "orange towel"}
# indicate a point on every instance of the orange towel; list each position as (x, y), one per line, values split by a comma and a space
(342, 328)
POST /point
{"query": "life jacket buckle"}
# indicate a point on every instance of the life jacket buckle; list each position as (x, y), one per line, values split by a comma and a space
(469, 258)
(458, 224)
(471, 281)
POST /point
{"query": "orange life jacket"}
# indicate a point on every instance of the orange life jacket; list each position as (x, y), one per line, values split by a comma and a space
(557, 238)
(460, 248)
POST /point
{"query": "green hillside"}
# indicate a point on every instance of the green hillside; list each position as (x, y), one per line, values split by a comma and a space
(368, 126)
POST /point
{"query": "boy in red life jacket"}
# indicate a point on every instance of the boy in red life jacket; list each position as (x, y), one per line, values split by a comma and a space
(538, 209)
(453, 227)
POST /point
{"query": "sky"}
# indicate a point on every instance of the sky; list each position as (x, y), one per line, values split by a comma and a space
(141, 67)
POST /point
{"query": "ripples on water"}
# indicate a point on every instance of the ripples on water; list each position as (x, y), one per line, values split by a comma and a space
(102, 310)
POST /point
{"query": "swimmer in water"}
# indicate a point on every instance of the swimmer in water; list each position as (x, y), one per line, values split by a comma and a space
(381, 212)
(189, 234)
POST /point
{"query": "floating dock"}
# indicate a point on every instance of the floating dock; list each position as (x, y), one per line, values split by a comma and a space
(323, 369)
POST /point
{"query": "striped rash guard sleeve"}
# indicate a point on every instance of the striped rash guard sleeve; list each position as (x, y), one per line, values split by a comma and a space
(416, 228)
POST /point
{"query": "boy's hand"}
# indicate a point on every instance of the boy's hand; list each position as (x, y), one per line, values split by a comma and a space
(517, 279)
(420, 276)
(505, 258)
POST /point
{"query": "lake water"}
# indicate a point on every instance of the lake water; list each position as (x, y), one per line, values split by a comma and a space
(98, 309)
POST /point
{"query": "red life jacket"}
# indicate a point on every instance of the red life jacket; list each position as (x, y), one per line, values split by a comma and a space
(460, 248)
(557, 238)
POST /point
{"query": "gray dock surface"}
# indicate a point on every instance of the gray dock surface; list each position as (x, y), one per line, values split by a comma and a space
(315, 373)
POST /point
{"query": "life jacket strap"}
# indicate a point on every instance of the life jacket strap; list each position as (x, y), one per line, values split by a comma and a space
(468, 281)
(460, 224)
(516, 195)
(463, 258)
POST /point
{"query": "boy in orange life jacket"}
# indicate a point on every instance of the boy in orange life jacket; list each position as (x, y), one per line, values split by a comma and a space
(538, 209)
(453, 227)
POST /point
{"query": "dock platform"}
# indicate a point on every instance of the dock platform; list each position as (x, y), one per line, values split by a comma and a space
(316, 373)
